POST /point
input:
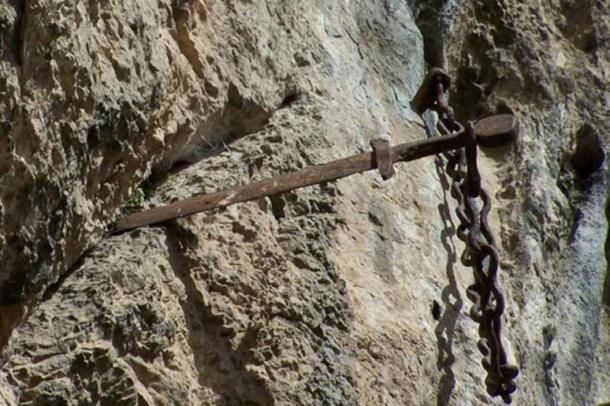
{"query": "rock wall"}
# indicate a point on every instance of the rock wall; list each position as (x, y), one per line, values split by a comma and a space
(322, 295)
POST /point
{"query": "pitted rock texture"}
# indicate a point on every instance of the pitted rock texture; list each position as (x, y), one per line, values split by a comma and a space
(319, 296)
(547, 63)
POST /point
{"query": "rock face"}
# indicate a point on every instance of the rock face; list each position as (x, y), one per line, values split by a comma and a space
(321, 295)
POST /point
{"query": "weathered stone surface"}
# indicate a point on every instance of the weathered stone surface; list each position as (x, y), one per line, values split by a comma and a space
(545, 62)
(321, 295)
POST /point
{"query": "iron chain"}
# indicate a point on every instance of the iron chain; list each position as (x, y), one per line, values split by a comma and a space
(481, 252)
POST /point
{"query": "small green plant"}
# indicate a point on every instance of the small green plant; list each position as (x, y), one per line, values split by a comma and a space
(137, 199)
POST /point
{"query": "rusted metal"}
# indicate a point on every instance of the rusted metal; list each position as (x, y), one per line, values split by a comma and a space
(383, 158)
(497, 130)
(426, 95)
(305, 177)
(480, 251)
(472, 174)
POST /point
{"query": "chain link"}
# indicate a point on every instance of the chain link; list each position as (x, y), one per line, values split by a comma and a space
(481, 252)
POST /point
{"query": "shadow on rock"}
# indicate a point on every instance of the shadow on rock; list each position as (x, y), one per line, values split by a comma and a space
(220, 367)
(451, 299)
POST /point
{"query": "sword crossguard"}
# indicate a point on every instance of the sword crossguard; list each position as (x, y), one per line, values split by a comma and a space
(383, 158)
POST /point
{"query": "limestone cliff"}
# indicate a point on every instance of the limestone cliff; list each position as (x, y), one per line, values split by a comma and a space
(317, 296)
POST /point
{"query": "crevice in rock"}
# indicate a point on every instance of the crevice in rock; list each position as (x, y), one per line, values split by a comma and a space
(549, 363)
(589, 154)
(13, 285)
(54, 287)
(429, 20)
(435, 20)
(277, 206)
(606, 287)
(220, 367)
(15, 301)
(289, 100)
(12, 316)
(19, 31)
(242, 115)
(239, 118)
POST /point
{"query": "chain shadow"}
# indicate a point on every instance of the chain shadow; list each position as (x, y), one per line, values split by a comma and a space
(450, 296)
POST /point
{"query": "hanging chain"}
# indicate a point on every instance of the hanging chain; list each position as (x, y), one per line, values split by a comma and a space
(481, 252)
